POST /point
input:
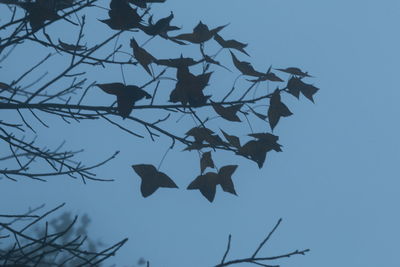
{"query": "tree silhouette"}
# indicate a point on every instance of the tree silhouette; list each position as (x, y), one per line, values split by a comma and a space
(171, 87)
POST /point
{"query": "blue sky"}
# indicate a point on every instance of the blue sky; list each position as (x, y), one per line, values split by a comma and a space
(336, 185)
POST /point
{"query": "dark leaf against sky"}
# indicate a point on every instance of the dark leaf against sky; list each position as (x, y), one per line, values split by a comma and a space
(177, 62)
(256, 150)
(71, 47)
(277, 109)
(152, 179)
(122, 16)
(206, 161)
(207, 184)
(228, 113)
(295, 85)
(295, 71)
(161, 27)
(232, 139)
(143, 3)
(230, 44)
(201, 33)
(225, 178)
(142, 56)
(127, 95)
(189, 87)
(245, 67)
(201, 134)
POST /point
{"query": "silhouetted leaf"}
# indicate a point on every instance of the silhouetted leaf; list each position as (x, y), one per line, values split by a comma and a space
(207, 184)
(295, 71)
(143, 3)
(177, 62)
(245, 67)
(206, 161)
(259, 115)
(225, 178)
(202, 134)
(201, 33)
(296, 85)
(189, 88)
(71, 47)
(152, 179)
(233, 140)
(127, 95)
(228, 113)
(256, 150)
(230, 44)
(122, 16)
(277, 109)
(142, 56)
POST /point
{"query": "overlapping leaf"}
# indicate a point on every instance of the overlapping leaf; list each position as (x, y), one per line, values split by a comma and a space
(201, 33)
(207, 183)
(127, 95)
(256, 150)
(228, 113)
(230, 44)
(189, 88)
(296, 85)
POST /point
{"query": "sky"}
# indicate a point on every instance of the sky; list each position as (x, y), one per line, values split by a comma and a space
(335, 185)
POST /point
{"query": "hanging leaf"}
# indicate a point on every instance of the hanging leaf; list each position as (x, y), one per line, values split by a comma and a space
(201, 33)
(152, 179)
(259, 115)
(256, 150)
(71, 47)
(225, 178)
(127, 95)
(233, 140)
(277, 109)
(295, 71)
(230, 44)
(296, 85)
(228, 113)
(142, 56)
(202, 134)
(207, 184)
(206, 161)
(245, 67)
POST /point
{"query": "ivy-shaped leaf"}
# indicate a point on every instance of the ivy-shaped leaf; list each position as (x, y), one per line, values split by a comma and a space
(225, 178)
(206, 183)
(256, 150)
(296, 85)
(230, 44)
(206, 161)
(127, 95)
(277, 109)
(228, 113)
(232, 139)
(152, 179)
